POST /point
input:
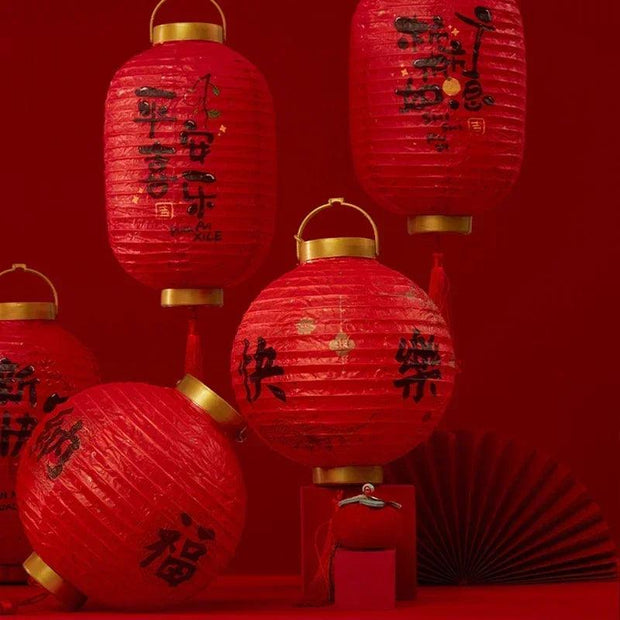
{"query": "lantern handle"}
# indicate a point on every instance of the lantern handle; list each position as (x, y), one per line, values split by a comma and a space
(25, 269)
(162, 2)
(334, 202)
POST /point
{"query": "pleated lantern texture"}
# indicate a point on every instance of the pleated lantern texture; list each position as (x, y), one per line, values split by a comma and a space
(41, 365)
(190, 166)
(132, 495)
(437, 106)
(342, 362)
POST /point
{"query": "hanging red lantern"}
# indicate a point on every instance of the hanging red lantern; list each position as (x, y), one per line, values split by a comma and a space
(342, 364)
(190, 164)
(41, 365)
(437, 101)
(130, 495)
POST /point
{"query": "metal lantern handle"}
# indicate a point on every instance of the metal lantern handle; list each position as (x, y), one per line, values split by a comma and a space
(162, 2)
(333, 202)
(25, 269)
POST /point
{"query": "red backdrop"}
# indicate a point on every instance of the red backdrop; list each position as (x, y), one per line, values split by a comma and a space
(534, 304)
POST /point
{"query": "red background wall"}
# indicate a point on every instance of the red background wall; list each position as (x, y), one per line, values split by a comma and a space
(535, 301)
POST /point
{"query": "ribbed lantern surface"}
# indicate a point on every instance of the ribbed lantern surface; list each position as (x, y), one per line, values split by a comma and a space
(190, 166)
(132, 495)
(342, 362)
(41, 365)
(437, 103)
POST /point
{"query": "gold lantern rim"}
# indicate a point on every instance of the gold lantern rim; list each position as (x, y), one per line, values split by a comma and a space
(191, 297)
(187, 31)
(29, 310)
(335, 247)
(211, 403)
(423, 224)
(342, 476)
(51, 581)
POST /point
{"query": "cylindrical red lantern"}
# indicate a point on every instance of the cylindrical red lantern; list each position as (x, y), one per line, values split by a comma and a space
(342, 364)
(190, 164)
(131, 495)
(437, 102)
(41, 365)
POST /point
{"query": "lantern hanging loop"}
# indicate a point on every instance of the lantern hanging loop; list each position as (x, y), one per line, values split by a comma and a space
(338, 246)
(162, 2)
(22, 267)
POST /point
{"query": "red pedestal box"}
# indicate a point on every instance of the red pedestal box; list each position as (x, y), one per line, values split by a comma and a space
(318, 505)
(365, 580)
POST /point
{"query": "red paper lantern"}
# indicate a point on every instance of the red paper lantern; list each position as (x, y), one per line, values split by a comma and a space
(437, 100)
(131, 495)
(190, 164)
(342, 364)
(41, 365)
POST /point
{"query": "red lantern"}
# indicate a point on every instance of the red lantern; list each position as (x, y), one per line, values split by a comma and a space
(342, 364)
(437, 99)
(41, 365)
(190, 164)
(131, 495)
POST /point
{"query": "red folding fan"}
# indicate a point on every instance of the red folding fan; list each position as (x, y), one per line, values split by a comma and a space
(491, 510)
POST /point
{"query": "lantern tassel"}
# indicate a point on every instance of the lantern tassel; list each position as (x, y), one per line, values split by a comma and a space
(194, 361)
(439, 286)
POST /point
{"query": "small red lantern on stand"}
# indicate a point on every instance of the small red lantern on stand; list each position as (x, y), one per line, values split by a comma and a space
(342, 365)
(131, 495)
(41, 365)
(190, 159)
(437, 104)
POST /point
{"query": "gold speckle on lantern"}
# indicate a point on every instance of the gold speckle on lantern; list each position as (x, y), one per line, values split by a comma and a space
(404, 73)
(136, 199)
(455, 32)
(342, 345)
(306, 326)
(411, 294)
(451, 86)
(223, 128)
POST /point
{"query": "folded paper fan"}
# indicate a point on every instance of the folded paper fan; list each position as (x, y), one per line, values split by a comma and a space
(491, 510)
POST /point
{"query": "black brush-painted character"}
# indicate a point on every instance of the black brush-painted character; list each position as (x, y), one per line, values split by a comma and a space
(265, 368)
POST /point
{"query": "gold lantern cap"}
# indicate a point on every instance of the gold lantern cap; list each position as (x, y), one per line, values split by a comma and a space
(188, 31)
(191, 297)
(342, 476)
(29, 310)
(334, 247)
(421, 224)
(215, 406)
(49, 579)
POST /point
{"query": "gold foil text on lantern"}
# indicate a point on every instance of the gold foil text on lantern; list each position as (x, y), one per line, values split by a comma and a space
(306, 326)
(164, 210)
(342, 345)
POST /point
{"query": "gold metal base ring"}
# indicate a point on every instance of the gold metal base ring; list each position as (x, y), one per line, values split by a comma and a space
(460, 224)
(177, 297)
(205, 398)
(47, 578)
(347, 475)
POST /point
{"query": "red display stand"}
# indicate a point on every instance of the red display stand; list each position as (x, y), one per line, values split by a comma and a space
(318, 505)
(365, 580)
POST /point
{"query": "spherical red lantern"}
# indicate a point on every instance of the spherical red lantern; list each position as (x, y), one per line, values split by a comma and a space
(190, 164)
(131, 495)
(437, 101)
(41, 365)
(342, 364)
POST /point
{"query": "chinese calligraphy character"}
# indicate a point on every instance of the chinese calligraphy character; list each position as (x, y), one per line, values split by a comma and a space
(421, 356)
(57, 442)
(150, 111)
(180, 565)
(265, 368)
(26, 424)
(14, 381)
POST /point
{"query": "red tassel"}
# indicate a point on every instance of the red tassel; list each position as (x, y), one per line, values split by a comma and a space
(194, 361)
(439, 286)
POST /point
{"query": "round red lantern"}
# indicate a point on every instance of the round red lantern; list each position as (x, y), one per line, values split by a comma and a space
(342, 364)
(190, 164)
(131, 495)
(41, 365)
(437, 103)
